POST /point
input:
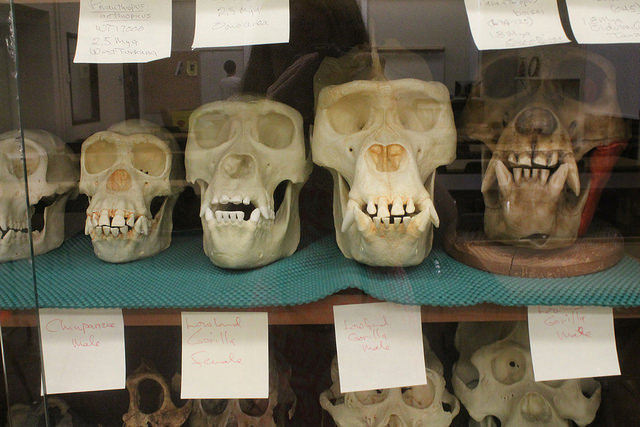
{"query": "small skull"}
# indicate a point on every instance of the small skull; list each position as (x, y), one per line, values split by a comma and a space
(150, 401)
(539, 121)
(52, 177)
(494, 380)
(382, 141)
(429, 405)
(248, 157)
(271, 412)
(133, 174)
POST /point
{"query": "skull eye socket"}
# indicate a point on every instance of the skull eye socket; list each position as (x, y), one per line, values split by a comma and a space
(350, 113)
(100, 156)
(509, 367)
(212, 129)
(593, 79)
(371, 397)
(214, 406)
(419, 114)
(420, 396)
(275, 130)
(32, 159)
(150, 396)
(149, 158)
(254, 407)
(499, 79)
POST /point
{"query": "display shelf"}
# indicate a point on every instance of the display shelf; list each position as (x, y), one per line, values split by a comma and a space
(182, 277)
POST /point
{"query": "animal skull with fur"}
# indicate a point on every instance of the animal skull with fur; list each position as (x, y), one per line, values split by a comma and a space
(539, 120)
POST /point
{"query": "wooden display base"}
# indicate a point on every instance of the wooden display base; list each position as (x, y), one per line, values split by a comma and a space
(602, 247)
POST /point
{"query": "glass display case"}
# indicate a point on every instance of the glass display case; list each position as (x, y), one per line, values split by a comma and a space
(376, 156)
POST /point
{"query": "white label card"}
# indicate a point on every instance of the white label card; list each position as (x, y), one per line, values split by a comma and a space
(221, 23)
(225, 355)
(572, 342)
(380, 338)
(507, 24)
(116, 31)
(83, 350)
(605, 21)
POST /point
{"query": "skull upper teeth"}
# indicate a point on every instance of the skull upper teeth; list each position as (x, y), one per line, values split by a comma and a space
(398, 215)
(235, 209)
(544, 167)
(116, 223)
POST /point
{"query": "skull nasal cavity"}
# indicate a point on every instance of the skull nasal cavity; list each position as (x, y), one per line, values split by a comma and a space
(536, 120)
(387, 158)
(238, 165)
(120, 180)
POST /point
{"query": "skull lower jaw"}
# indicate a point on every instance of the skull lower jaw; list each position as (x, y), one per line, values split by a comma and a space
(132, 245)
(248, 244)
(14, 245)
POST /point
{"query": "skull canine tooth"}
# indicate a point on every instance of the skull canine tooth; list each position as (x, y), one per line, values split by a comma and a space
(505, 180)
(557, 180)
(350, 214)
(208, 214)
(255, 215)
(573, 178)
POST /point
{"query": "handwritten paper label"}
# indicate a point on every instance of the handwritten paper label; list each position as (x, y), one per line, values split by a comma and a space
(572, 342)
(241, 22)
(379, 345)
(506, 24)
(225, 355)
(605, 21)
(83, 350)
(115, 31)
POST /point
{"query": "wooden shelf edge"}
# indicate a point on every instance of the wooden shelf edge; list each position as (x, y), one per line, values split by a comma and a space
(316, 313)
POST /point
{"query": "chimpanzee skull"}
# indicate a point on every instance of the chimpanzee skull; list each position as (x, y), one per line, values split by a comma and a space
(423, 405)
(52, 177)
(493, 378)
(272, 412)
(248, 157)
(150, 401)
(540, 111)
(133, 174)
(382, 141)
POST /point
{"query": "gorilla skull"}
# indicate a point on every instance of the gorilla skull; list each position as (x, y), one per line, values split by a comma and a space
(248, 158)
(382, 141)
(539, 121)
(494, 380)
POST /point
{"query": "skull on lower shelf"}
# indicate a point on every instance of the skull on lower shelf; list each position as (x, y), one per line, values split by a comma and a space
(493, 378)
(429, 405)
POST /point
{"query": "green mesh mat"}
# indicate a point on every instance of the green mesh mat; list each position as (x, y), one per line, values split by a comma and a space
(182, 277)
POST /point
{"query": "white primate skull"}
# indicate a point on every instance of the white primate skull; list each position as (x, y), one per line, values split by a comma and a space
(274, 411)
(248, 158)
(52, 177)
(540, 111)
(133, 174)
(382, 142)
(423, 405)
(493, 378)
(150, 402)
